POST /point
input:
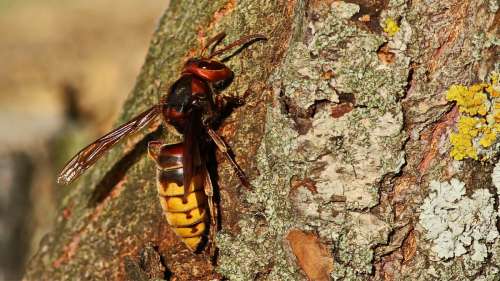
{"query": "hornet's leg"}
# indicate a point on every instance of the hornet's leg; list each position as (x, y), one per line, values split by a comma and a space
(212, 207)
(224, 101)
(154, 148)
(225, 151)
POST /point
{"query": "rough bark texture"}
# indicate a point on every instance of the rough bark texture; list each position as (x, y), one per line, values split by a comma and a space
(344, 127)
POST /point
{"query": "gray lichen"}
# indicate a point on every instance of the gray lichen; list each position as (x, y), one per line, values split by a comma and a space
(260, 244)
(493, 6)
(355, 243)
(495, 177)
(345, 157)
(455, 222)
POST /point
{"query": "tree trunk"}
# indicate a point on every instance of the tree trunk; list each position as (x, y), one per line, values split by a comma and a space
(344, 133)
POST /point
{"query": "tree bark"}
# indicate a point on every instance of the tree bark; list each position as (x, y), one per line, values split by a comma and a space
(344, 128)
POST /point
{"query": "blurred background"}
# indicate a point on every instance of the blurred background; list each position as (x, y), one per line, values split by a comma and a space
(65, 69)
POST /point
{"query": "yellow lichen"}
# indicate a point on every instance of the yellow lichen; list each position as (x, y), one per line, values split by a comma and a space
(390, 27)
(479, 122)
(462, 141)
(496, 112)
(470, 100)
(489, 137)
(493, 89)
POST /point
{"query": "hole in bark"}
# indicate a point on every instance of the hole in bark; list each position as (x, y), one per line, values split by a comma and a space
(368, 16)
(347, 101)
(302, 117)
(385, 55)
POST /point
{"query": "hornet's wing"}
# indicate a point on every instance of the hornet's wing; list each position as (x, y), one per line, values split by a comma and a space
(90, 154)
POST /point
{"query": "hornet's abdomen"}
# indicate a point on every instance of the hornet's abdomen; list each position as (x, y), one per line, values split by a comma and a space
(185, 208)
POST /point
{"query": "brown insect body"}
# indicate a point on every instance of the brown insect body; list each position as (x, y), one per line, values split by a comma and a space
(180, 170)
(192, 106)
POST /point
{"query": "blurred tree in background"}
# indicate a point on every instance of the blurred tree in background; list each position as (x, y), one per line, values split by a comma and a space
(62, 81)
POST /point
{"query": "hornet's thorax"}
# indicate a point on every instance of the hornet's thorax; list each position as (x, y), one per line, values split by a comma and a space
(193, 94)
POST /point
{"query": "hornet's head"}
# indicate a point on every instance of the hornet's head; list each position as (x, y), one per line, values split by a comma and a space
(214, 72)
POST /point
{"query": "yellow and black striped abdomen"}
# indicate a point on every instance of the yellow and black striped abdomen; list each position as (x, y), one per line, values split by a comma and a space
(185, 208)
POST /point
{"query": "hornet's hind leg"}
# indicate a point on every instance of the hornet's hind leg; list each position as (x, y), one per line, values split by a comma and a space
(154, 148)
(212, 206)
